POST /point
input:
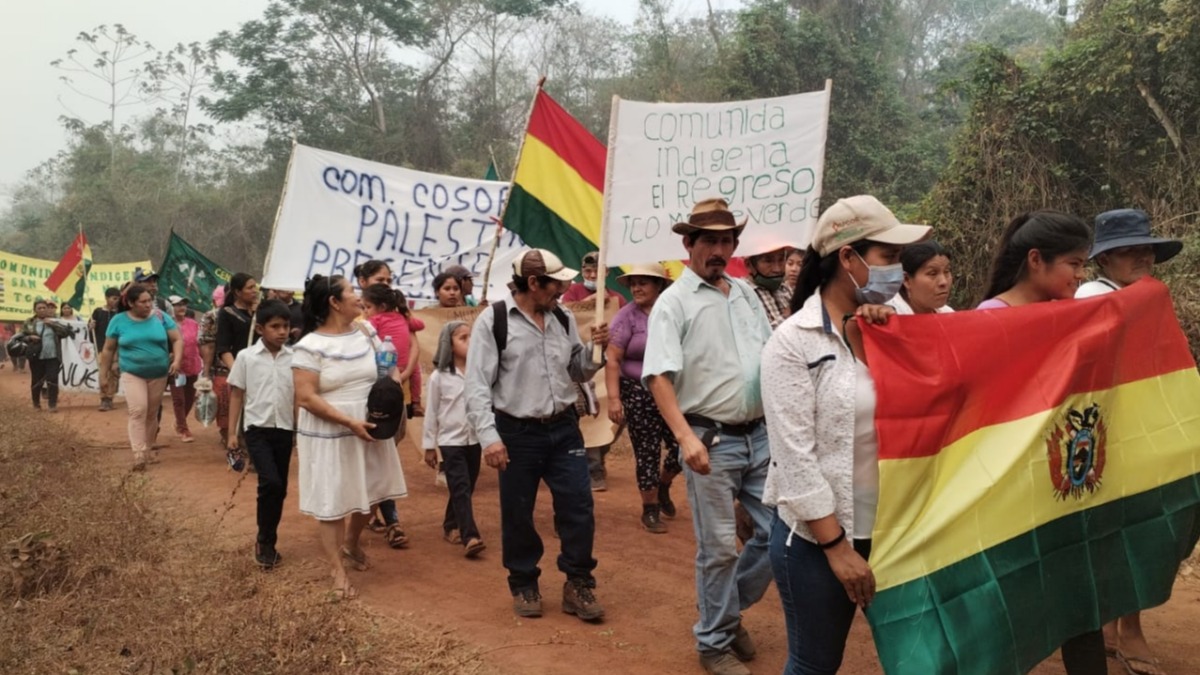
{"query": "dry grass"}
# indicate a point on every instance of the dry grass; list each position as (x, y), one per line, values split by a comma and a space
(104, 579)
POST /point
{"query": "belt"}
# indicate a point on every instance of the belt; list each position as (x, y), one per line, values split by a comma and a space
(743, 429)
(549, 419)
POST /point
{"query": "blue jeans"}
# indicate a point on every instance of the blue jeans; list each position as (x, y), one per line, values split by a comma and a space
(552, 453)
(815, 605)
(727, 584)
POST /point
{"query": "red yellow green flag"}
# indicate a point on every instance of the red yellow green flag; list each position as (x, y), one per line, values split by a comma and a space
(558, 185)
(1039, 476)
(68, 281)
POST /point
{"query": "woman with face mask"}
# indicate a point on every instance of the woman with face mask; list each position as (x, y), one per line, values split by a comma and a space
(819, 401)
(927, 280)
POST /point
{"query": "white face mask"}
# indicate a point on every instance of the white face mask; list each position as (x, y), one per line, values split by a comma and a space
(883, 283)
(589, 284)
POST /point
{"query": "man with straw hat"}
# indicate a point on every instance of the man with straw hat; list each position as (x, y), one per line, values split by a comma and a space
(706, 333)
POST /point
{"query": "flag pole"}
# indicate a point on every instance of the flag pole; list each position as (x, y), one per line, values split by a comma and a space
(601, 264)
(287, 177)
(492, 155)
(487, 271)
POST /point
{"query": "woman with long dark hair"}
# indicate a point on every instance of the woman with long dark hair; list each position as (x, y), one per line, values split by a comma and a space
(1042, 256)
(819, 401)
(344, 472)
(235, 328)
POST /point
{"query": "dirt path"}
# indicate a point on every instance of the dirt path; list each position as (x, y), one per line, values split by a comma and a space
(645, 581)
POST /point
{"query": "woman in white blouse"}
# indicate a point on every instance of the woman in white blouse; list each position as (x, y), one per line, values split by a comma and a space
(927, 280)
(819, 401)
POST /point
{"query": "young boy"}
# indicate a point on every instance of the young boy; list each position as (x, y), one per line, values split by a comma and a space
(261, 379)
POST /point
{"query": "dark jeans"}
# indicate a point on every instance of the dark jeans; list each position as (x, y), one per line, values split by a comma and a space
(271, 452)
(816, 608)
(45, 373)
(462, 470)
(552, 453)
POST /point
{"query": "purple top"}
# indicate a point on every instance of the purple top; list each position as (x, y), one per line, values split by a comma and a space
(993, 303)
(628, 332)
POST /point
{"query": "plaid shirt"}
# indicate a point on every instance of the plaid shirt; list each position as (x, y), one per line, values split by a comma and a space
(778, 303)
(208, 328)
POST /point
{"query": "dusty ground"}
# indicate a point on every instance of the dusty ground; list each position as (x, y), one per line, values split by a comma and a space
(645, 581)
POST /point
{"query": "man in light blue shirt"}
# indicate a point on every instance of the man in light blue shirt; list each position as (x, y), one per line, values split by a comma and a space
(706, 334)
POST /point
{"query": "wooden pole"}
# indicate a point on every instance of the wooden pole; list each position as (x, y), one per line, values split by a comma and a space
(287, 177)
(487, 271)
(601, 264)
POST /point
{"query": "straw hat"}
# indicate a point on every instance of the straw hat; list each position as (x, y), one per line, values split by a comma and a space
(645, 270)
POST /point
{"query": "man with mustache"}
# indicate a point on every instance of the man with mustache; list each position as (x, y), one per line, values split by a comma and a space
(706, 333)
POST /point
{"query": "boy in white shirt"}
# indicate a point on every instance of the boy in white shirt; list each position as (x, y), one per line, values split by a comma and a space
(447, 428)
(261, 383)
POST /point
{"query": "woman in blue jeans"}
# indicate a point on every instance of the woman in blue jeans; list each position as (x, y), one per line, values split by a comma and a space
(819, 401)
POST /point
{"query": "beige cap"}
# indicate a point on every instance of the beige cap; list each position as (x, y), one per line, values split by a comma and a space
(538, 262)
(644, 270)
(862, 217)
(711, 215)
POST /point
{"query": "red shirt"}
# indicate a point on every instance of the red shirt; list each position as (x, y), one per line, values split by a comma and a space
(578, 292)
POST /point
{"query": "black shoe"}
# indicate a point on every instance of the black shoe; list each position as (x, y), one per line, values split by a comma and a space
(650, 520)
(266, 556)
(527, 603)
(665, 505)
(578, 599)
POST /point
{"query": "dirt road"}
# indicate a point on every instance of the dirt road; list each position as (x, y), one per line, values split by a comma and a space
(645, 581)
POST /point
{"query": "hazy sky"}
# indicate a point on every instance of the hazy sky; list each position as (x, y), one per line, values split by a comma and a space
(35, 32)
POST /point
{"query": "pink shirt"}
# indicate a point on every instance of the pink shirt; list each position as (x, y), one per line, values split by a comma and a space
(189, 330)
(993, 303)
(395, 326)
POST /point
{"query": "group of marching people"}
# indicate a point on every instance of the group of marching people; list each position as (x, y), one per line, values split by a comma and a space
(754, 390)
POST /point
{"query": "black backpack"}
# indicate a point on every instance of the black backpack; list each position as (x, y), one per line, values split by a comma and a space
(500, 323)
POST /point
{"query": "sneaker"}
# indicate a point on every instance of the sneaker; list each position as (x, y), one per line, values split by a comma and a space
(665, 506)
(528, 603)
(650, 520)
(266, 556)
(578, 599)
(742, 646)
(723, 663)
(599, 485)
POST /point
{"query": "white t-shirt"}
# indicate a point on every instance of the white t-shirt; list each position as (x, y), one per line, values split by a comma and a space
(1099, 286)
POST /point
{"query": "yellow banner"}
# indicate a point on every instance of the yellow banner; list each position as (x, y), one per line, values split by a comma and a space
(23, 281)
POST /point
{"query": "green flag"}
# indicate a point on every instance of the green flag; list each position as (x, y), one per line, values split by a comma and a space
(187, 273)
(491, 174)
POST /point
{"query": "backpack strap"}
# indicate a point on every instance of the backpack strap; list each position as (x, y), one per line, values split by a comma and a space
(500, 325)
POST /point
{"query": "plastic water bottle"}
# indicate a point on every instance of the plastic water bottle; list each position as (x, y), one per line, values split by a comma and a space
(385, 358)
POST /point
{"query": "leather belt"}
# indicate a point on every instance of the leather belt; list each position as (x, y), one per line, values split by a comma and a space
(743, 429)
(550, 419)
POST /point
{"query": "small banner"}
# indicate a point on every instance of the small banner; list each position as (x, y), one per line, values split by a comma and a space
(22, 281)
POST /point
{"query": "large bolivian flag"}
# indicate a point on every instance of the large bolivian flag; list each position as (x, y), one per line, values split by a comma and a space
(558, 186)
(69, 278)
(1038, 477)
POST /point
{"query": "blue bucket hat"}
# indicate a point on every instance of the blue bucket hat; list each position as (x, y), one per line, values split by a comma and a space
(1131, 227)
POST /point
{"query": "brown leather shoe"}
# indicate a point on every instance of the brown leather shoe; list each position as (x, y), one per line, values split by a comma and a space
(527, 603)
(578, 599)
(742, 646)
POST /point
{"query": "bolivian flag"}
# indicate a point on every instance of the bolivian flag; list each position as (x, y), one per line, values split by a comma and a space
(558, 186)
(68, 281)
(1038, 477)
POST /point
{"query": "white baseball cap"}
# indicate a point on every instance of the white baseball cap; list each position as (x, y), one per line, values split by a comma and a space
(538, 262)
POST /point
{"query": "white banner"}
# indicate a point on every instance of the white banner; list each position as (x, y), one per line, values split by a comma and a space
(765, 157)
(80, 361)
(339, 211)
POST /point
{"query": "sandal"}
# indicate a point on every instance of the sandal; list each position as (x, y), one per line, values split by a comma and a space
(1137, 665)
(474, 548)
(395, 536)
(451, 537)
(358, 562)
(376, 525)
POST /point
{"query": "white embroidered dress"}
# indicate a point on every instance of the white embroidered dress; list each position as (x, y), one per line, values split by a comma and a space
(339, 473)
